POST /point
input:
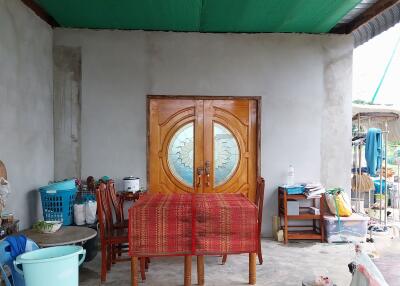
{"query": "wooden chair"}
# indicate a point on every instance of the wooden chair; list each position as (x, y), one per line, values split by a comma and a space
(117, 205)
(110, 236)
(260, 204)
(120, 222)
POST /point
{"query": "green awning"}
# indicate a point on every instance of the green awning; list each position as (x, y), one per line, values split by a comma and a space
(308, 16)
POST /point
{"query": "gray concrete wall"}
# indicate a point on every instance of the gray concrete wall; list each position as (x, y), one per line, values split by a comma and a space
(67, 112)
(304, 81)
(26, 106)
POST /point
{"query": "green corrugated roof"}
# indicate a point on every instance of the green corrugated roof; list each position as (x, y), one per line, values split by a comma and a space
(308, 16)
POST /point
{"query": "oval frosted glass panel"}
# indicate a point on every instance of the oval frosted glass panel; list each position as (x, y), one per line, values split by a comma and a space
(180, 154)
(226, 154)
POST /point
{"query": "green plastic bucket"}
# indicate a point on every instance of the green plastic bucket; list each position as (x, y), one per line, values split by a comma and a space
(51, 266)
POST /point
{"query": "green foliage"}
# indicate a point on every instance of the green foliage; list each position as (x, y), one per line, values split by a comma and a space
(41, 226)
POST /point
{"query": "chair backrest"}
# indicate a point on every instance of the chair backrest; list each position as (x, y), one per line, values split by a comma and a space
(103, 211)
(260, 199)
(114, 201)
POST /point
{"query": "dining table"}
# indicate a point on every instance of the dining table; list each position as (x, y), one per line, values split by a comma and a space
(66, 235)
(193, 225)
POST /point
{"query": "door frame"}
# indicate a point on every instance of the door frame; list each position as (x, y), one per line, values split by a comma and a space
(204, 97)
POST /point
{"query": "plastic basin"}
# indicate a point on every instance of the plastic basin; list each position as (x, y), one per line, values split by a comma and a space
(51, 266)
(60, 186)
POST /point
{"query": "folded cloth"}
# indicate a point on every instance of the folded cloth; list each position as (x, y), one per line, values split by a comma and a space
(17, 245)
(373, 150)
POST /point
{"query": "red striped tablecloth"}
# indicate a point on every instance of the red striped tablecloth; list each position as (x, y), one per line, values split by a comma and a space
(187, 224)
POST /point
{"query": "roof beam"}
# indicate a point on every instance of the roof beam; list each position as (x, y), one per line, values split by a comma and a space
(41, 13)
(370, 13)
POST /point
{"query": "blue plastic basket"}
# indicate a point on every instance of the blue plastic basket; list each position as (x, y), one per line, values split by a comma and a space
(58, 205)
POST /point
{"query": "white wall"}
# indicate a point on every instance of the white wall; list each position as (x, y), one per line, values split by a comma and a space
(304, 81)
(26, 106)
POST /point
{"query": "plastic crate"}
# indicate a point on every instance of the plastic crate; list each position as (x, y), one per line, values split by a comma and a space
(58, 205)
(351, 229)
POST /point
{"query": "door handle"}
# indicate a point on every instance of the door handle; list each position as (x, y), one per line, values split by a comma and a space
(207, 168)
(199, 175)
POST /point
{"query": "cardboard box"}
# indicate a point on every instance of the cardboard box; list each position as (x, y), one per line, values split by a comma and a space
(293, 208)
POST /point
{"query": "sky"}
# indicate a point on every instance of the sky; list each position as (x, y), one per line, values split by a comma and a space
(369, 63)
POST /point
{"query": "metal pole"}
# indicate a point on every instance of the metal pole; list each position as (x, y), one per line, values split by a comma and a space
(380, 188)
(386, 183)
(356, 174)
(398, 188)
(359, 177)
(369, 191)
(358, 193)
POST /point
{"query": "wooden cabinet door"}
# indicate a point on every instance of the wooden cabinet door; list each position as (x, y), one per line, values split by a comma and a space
(230, 140)
(202, 145)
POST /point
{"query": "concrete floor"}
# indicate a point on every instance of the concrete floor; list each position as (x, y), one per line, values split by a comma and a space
(283, 265)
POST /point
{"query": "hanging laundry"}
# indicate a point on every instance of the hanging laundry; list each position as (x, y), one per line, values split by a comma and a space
(17, 245)
(373, 150)
(377, 184)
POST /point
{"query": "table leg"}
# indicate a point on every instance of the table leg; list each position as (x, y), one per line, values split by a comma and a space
(143, 268)
(188, 271)
(134, 267)
(285, 218)
(252, 268)
(200, 270)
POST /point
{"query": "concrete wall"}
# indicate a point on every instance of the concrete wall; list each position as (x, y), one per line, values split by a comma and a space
(304, 81)
(67, 112)
(26, 106)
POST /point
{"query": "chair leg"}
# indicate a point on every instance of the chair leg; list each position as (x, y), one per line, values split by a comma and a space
(259, 253)
(224, 257)
(109, 255)
(119, 250)
(146, 264)
(143, 268)
(260, 258)
(113, 254)
(103, 275)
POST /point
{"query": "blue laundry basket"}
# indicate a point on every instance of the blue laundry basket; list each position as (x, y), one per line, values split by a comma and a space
(58, 201)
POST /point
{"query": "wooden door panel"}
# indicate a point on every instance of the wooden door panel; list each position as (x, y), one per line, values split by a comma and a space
(166, 117)
(235, 124)
(234, 115)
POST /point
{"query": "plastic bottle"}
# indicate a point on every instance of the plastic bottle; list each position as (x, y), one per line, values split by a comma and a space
(290, 176)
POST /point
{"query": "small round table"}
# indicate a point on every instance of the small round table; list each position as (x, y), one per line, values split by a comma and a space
(66, 235)
(129, 196)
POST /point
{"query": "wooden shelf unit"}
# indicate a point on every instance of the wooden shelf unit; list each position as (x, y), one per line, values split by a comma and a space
(312, 232)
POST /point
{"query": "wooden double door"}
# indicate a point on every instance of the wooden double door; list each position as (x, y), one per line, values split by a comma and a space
(202, 145)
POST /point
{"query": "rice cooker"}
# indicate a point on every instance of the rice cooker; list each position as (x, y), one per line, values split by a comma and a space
(131, 184)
